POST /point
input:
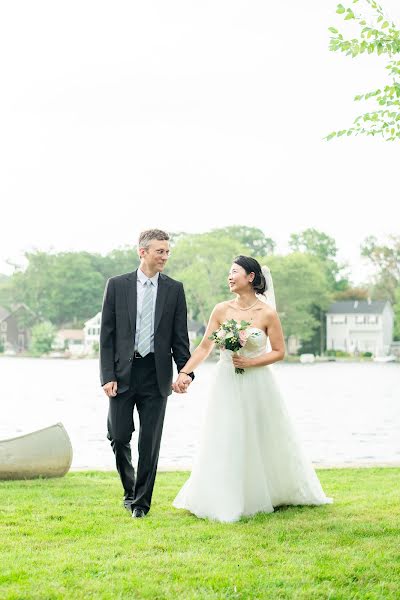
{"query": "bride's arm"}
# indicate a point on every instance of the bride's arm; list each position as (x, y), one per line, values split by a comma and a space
(276, 340)
(205, 346)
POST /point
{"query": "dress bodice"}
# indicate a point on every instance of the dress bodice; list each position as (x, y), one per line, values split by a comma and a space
(255, 345)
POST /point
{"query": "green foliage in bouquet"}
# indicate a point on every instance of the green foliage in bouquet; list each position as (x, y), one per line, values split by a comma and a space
(228, 337)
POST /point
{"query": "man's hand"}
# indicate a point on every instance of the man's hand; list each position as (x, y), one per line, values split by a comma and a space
(110, 388)
(182, 383)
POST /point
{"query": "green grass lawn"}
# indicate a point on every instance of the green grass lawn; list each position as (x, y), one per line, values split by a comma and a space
(71, 538)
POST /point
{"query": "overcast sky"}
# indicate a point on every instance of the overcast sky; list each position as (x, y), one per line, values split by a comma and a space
(118, 116)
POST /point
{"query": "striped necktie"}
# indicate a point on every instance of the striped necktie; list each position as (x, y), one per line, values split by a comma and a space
(146, 320)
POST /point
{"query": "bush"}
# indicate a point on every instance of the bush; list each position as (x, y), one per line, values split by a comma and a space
(338, 353)
(43, 335)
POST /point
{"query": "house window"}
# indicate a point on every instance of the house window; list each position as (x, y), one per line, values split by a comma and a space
(3, 338)
(4, 326)
(338, 319)
(372, 319)
(360, 319)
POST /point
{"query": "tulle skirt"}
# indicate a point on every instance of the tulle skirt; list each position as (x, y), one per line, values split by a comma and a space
(249, 458)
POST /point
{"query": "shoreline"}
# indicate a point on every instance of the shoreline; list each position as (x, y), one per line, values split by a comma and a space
(318, 466)
(292, 360)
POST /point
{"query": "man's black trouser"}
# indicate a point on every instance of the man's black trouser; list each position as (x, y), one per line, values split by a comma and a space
(145, 394)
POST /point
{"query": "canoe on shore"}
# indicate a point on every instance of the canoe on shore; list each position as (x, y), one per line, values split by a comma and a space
(43, 453)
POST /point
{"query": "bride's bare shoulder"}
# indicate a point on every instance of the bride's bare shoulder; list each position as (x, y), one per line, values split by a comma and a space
(222, 306)
(220, 309)
(268, 311)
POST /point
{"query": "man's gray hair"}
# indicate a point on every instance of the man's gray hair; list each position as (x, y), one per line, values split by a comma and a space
(151, 234)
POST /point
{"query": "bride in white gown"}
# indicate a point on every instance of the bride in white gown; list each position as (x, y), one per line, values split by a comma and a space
(249, 458)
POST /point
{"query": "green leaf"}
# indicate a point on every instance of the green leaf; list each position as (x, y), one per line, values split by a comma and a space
(333, 30)
(330, 136)
(340, 9)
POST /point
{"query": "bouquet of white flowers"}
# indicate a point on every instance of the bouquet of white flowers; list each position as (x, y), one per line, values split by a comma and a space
(231, 335)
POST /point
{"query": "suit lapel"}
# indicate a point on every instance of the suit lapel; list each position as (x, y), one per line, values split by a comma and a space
(131, 297)
(162, 293)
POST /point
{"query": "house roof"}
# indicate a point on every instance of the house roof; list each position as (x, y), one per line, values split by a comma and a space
(4, 313)
(71, 334)
(16, 307)
(362, 307)
(93, 319)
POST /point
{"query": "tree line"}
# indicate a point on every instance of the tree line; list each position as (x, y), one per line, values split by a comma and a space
(66, 288)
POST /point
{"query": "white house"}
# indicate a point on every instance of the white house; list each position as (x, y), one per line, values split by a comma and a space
(70, 340)
(293, 344)
(360, 326)
(92, 332)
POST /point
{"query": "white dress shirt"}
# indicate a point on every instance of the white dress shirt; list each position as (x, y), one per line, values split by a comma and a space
(140, 289)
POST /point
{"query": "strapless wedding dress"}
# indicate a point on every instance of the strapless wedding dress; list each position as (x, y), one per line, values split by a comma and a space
(249, 458)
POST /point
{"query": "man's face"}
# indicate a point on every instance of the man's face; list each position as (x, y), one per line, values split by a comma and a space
(156, 255)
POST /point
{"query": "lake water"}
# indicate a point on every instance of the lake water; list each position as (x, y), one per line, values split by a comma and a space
(345, 413)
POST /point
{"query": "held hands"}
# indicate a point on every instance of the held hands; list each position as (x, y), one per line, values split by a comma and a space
(180, 386)
(182, 383)
(241, 362)
(110, 388)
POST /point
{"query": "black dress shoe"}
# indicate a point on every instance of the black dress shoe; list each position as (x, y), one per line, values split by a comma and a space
(128, 505)
(138, 513)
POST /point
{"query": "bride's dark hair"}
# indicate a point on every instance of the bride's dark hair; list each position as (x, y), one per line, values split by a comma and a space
(251, 265)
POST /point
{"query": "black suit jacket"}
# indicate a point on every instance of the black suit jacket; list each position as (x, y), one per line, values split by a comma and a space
(118, 329)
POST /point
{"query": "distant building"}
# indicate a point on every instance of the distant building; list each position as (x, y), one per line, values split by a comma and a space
(395, 349)
(360, 326)
(71, 340)
(195, 330)
(91, 332)
(15, 327)
(293, 344)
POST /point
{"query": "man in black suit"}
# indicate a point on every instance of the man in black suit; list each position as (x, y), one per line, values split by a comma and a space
(143, 326)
